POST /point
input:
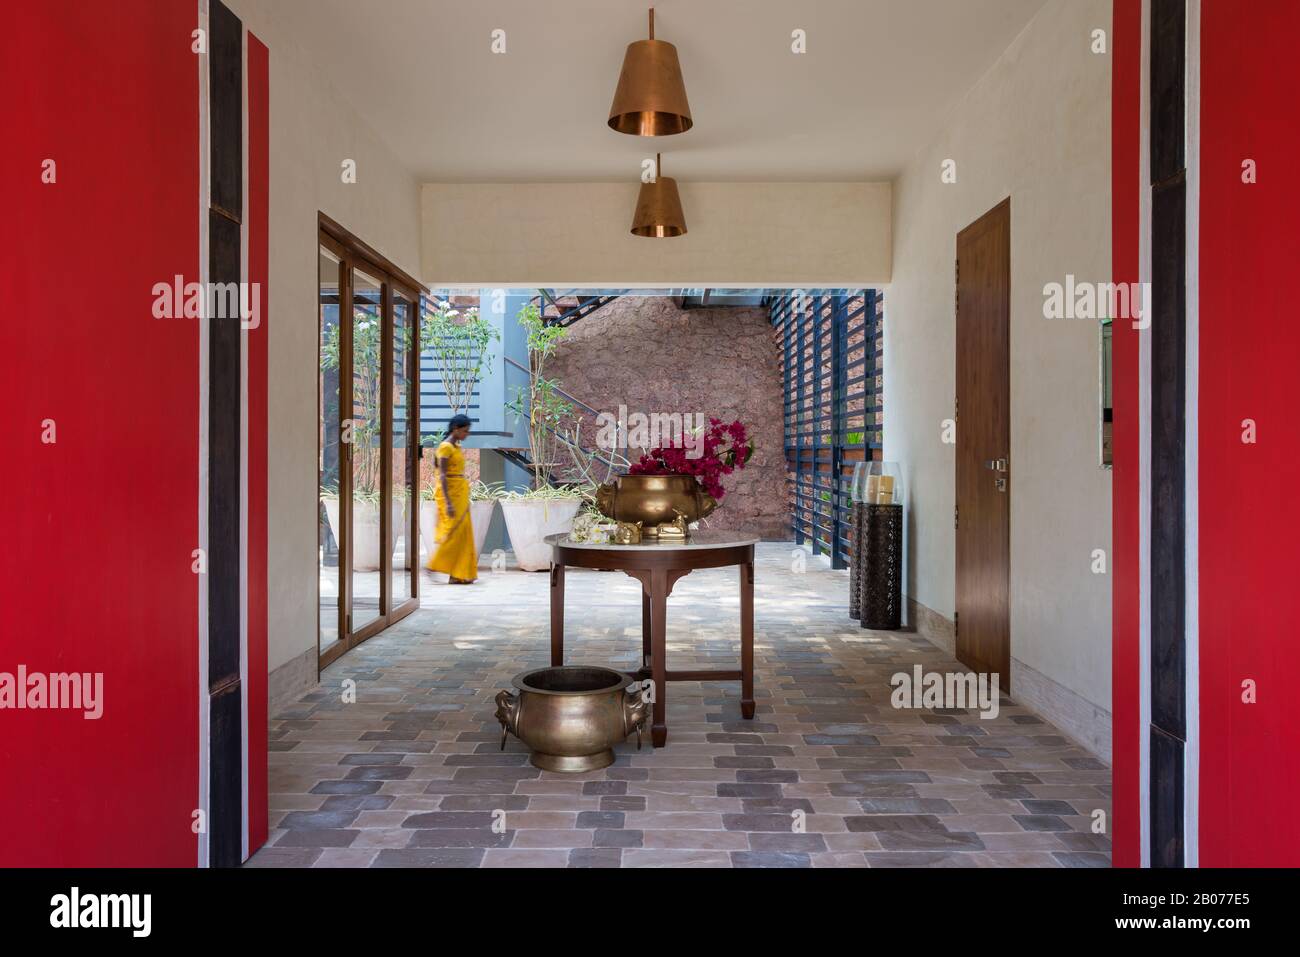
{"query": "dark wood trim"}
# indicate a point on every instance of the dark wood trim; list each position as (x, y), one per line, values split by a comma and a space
(327, 657)
(224, 457)
(226, 112)
(347, 403)
(362, 250)
(225, 621)
(225, 774)
(1168, 458)
(323, 659)
(1168, 88)
(1168, 339)
(642, 559)
(1166, 790)
(386, 531)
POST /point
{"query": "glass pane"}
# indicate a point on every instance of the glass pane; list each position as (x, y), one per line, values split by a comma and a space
(403, 454)
(328, 444)
(367, 339)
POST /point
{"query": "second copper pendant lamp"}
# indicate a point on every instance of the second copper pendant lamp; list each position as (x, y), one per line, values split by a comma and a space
(659, 208)
(651, 101)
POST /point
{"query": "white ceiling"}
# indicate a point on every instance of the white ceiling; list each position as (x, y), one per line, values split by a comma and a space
(876, 83)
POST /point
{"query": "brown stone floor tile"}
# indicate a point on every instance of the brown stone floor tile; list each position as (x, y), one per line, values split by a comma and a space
(552, 837)
(655, 857)
(696, 840)
(1015, 859)
(346, 857)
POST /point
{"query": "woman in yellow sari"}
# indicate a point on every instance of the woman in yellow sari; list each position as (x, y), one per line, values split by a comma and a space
(456, 555)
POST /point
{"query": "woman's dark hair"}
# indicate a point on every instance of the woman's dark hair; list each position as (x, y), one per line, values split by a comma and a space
(457, 422)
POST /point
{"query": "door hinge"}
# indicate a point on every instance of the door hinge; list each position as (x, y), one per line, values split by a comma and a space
(956, 408)
(954, 516)
(956, 627)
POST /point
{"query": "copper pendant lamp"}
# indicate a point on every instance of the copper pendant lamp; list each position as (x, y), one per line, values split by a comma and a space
(651, 95)
(659, 208)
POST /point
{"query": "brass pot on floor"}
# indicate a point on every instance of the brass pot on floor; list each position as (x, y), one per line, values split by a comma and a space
(572, 716)
(654, 500)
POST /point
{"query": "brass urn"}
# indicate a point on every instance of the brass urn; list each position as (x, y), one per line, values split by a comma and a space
(572, 716)
(654, 500)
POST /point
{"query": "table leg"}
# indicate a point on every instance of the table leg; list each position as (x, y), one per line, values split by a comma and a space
(659, 655)
(645, 629)
(557, 615)
(747, 639)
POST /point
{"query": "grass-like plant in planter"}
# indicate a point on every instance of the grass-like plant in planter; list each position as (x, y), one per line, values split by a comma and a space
(544, 509)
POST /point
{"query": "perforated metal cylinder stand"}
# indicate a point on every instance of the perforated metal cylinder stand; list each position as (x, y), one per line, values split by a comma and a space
(880, 598)
(855, 568)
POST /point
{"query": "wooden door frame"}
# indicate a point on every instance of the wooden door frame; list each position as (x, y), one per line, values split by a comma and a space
(354, 254)
(994, 215)
(323, 659)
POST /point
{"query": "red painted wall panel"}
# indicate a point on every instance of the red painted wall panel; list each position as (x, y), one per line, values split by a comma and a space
(1249, 507)
(259, 273)
(99, 526)
(1126, 64)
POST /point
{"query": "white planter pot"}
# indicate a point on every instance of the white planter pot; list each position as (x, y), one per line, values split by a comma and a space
(332, 513)
(528, 523)
(480, 516)
(365, 528)
(428, 528)
(480, 513)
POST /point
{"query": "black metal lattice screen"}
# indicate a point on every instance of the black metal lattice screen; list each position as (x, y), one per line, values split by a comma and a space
(830, 344)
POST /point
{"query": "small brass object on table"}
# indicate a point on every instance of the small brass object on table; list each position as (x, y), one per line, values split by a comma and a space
(572, 716)
(627, 533)
(674, 532)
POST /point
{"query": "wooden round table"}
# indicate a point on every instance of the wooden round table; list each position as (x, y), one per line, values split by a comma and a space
(658, 567)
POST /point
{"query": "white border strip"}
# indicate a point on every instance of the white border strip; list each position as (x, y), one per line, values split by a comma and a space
(1191, 475)
(243, 464)
(205, 200)
(1144, 451)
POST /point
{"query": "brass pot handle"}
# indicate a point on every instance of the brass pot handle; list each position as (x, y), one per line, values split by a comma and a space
(605, 495)
(508, 715)
(636, 708)
(704, 502)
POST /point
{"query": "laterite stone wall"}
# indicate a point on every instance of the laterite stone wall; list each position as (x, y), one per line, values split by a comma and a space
(650, 356)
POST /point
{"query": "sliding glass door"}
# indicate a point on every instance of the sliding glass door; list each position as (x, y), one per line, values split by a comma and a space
(367, 436)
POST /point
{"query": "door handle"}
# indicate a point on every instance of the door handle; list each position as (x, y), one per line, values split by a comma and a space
(996, 465)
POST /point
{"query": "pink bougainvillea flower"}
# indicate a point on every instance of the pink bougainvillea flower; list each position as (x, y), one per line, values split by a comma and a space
(724, 447)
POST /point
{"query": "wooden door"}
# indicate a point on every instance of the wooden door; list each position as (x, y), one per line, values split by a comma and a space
(983, 518)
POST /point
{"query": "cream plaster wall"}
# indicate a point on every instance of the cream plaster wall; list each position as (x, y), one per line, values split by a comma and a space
(1035, 128)
(574, 234)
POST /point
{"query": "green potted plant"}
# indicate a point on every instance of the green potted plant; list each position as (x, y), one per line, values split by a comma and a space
(460, 348)
(544, 509)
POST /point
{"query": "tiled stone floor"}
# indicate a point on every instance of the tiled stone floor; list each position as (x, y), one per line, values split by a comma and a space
(410, 773)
